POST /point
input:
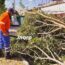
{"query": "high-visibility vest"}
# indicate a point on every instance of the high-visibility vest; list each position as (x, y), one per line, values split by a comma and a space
(4, 22)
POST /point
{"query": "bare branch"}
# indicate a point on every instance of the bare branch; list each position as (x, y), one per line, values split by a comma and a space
(57, 55)
(50, 52)
(42, 51)
(61, 63)
(48, 57)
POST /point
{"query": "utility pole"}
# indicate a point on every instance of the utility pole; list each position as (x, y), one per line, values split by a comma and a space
(13, 4)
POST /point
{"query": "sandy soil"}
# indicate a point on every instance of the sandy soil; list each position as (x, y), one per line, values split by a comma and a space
(3, 61)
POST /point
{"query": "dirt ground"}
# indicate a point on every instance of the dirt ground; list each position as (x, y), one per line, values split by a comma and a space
(3, 61)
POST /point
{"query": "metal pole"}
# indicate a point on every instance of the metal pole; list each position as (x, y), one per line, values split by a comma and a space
(14, 4)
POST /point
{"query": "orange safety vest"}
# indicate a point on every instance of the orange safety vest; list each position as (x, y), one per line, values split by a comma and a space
(4, 22)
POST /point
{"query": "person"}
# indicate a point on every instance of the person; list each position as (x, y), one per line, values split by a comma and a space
(5, 20)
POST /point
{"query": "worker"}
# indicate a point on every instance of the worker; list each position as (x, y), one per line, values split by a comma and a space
(5, 20)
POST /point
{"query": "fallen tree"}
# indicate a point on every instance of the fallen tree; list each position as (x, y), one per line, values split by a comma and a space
(48, 36)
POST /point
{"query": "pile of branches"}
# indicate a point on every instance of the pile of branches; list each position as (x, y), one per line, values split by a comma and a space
(47, 44)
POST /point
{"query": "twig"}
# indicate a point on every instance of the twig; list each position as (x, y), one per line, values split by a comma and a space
(25, 54)
(61, 63)
(48, 57)
(42, 51)
(50, 52)
(54, 30)
(34, 52)
(57, 55)
(45, 24)
(50, 32)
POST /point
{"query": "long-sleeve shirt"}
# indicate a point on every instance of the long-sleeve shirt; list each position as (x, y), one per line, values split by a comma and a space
(4, 22)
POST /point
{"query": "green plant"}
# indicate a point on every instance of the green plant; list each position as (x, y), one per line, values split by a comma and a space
(2, 6)
(45, 44)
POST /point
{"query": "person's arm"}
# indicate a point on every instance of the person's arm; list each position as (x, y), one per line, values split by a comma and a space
(7, 25)
(4, 30)
(3, 25)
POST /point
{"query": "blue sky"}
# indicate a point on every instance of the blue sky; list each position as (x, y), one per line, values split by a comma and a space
(27, 3)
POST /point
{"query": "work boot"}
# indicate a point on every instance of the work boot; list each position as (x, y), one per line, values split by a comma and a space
(7, 55)
(1, 53)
